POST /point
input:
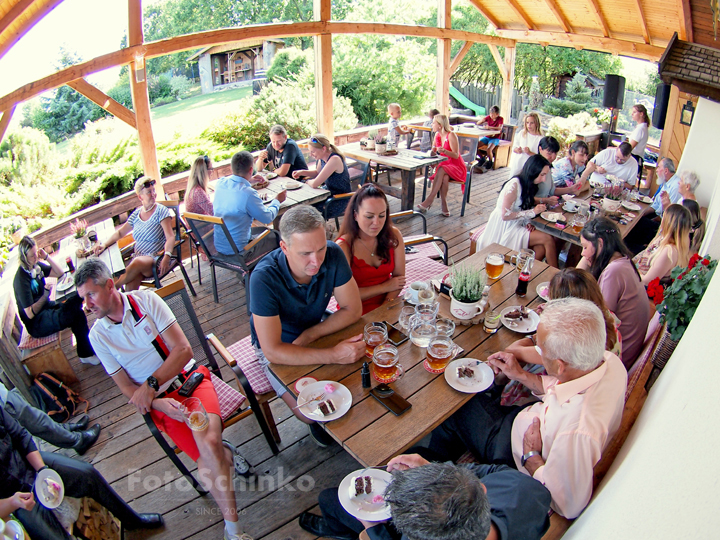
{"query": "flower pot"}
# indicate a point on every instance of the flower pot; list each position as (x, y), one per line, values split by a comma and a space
(380, 148)
(83, 242)
(610, 205)
(605, 126)
(370, 144)
(464, 310)
(665, 347)
(18, 235)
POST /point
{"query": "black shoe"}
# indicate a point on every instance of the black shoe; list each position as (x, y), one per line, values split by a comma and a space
(318, 526)
(320, 436)
(87, 439)
(147, 521)
(488, 165)
(81, 425)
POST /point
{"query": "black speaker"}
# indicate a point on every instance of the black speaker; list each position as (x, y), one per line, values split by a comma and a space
(662, 95)
(614, 92)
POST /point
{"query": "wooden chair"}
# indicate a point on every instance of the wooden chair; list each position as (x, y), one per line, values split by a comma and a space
(468, 151)
(335, 205)
(241, 261)
(231, 401)
(501, 152)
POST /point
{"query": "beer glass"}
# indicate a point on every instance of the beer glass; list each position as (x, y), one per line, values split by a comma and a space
(445, 327)
(194, 414)
(421, 331)
(385, 364)
(375, 334)
(494, 264)
(578, 223)
(404, 319)
(519, 259)
(427, 312)
(439, 353)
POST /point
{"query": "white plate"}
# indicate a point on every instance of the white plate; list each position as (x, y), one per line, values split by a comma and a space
(292, 184)
(570, 211)
(342, 398)
(66, 282)
(646, 199)
(523, 326)
(362, 507)
(543, 290)
(482, 380)
(41, 489)
(631, 206)
(552, 217)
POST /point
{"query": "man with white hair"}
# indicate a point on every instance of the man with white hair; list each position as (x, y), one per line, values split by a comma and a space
(558, 440)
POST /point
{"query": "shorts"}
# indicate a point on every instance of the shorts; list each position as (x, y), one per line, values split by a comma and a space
(272, 379)
(488, 140)
(178, 431)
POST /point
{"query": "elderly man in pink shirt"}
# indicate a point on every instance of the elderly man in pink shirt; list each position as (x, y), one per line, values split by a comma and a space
(557, 440)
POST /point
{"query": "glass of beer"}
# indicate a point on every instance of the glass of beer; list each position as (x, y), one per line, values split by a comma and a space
(375, 334)
(578, 223)
(194, 414)
(385, 364)
(521, 257)
(439, 353)
(494, 265)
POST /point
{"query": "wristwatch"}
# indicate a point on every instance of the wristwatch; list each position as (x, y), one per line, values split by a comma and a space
(153, 383)
(527, 456)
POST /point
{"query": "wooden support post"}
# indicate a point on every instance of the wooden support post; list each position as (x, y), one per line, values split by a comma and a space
(508, 83)
(459, 56)
(141, 99)
(442, 82)
(5, 122)
(323, 71)
(103, 100)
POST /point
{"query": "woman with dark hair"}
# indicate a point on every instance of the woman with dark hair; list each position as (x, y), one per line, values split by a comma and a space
(373, 246)
(509, 223)
(609, 260)
(196, 197)
(41, 316)
(697, 232)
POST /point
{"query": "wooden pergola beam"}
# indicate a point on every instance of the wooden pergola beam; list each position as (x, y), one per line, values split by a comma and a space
(459, 56)
(5, 121)
(564, 24)
(498, 60)
(685, 31)
(103, 100)
(322, 10)
(508, 82)
(444, 49)
(643, 22)
(595, 8)
(594, 43)
(31, 21)
(521, 13)
(485, 13)
(216, 37)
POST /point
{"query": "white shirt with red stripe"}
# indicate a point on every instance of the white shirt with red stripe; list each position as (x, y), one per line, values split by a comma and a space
(129, 345)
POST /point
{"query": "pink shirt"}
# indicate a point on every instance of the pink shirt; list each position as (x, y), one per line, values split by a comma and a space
(577, 419)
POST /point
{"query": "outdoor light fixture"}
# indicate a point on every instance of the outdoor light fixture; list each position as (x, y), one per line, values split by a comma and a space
(139, 67)
(688, 111)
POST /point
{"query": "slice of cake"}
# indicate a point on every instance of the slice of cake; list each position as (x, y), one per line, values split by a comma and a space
(465, 374)
(325, 408)
(361, 485)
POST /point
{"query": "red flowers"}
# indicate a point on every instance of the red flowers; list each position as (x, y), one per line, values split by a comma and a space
(705, 262)
(655, 291)
(693, 261)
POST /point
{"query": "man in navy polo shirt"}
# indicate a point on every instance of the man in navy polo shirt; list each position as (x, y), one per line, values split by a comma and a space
(289, 291)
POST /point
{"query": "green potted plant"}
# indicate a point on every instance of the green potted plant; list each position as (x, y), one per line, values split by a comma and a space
(370, 143)
(79, 231)
(468, 283)
(380, 144)
(17, 229)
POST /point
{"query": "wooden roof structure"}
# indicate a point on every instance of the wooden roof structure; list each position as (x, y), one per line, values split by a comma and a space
(636, 28)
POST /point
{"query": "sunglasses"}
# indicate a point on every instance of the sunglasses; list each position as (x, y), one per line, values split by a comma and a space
(148, 184)
(315, 140)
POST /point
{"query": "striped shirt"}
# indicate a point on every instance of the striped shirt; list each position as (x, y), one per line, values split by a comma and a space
(149, 235)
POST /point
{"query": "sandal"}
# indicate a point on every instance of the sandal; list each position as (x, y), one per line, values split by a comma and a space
(420, 208)
(446, 214)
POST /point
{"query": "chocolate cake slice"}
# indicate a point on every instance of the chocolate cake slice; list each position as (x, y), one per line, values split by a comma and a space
(465, 372)
(361, 485)
(326, 407)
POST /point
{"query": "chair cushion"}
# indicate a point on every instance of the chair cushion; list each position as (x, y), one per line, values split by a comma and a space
(477, 233)
(230, 399)
(244, 354)
(422, 269)
(429, 250)
(29, 342)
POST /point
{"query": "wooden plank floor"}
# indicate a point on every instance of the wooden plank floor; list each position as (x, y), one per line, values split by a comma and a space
(287, 484)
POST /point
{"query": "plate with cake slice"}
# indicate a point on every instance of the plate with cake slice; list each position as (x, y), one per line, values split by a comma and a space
(520, 319)
(469, 375)
(361, 494)
(335, 403)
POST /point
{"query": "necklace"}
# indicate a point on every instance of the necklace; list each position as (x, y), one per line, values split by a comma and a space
(372, 253)
(148, 209)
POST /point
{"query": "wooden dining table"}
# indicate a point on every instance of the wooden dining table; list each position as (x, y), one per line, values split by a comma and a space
(368, 431)
(566, 232)
(302, 195)
(466, 131)
(407, 161)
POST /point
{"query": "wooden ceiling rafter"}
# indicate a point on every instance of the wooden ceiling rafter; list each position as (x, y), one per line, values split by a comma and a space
(559, 16)
(33, 18)
(460, 55)
(685, 30)
(595, 8)
(485, 13)
(104, 101)
(12, 15)
(643, 21)
(521, 13)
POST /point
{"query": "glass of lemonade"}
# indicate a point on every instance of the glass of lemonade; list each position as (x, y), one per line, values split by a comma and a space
(375, 334)
(494, 264)
(195, 414)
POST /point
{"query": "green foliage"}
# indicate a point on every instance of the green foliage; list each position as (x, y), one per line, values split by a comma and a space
(287, 64)
(26, 158)
(468, 283)
(180, 86)
(564, 129)
(578, 98)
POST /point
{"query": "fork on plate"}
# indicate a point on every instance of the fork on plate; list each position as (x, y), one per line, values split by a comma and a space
(318, 398)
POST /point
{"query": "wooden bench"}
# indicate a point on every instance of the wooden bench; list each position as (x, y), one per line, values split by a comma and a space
(45, 355)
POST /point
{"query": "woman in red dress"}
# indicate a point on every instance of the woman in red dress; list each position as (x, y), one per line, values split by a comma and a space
(373, 246)
(446, 144)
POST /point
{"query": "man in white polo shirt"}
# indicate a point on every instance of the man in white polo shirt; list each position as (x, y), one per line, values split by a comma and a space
(145, 351)
(615, 161)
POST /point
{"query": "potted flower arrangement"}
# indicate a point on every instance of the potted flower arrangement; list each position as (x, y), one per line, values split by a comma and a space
(17, 229)
(603, 117)
(613, 193)
(380, 144)
(79, 231)
(467, 288)
(677, 303)
(370, 143)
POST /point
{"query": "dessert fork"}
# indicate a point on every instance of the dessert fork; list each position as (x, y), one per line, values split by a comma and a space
(318, 398)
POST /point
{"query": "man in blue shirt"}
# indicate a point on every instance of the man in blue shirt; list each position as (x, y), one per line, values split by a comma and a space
(289, 291)
(238, 204)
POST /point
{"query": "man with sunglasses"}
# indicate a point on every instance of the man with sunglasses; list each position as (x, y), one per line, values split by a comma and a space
(282, 154)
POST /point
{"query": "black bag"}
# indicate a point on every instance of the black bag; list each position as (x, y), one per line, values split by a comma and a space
(56, 399)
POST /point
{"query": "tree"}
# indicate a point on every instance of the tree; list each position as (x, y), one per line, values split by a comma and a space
(578, 98)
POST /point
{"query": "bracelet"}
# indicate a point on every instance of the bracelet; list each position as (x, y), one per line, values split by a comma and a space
(531, 453)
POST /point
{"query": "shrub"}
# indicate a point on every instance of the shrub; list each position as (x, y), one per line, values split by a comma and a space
(287, 64)
(180, 86)
(564, 129)
(122, 94)
(578, 98)
(26, 157)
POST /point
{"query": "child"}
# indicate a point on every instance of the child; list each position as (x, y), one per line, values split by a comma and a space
(394, 127)
(425, 142)
(495, 121)
(565, 172)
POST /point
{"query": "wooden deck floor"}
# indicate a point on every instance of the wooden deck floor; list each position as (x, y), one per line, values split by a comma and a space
(287, 484)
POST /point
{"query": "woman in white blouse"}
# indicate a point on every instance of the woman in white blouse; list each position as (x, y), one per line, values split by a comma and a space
(525, 143)
(639, 137)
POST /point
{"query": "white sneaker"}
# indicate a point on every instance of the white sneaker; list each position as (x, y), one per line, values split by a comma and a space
(92, 360)
(243, 536)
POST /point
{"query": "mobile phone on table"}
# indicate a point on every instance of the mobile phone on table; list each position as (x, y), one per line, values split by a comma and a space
(395, 336)
(392, 401)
